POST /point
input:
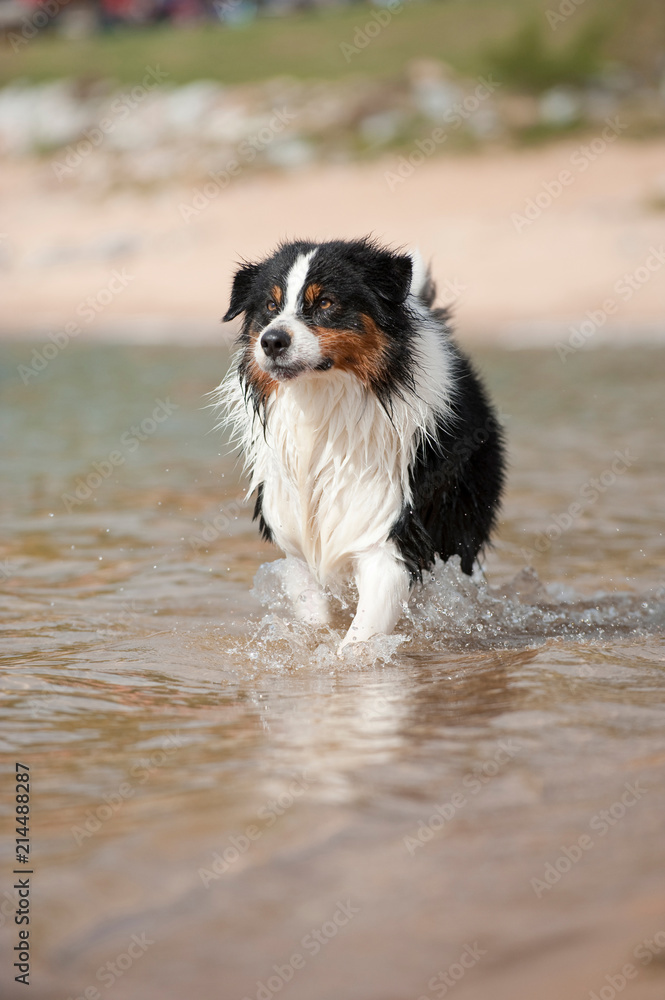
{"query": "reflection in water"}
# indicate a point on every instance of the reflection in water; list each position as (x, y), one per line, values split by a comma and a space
(209, 777)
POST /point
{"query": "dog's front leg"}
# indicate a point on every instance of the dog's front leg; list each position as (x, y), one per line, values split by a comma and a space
(383, 587)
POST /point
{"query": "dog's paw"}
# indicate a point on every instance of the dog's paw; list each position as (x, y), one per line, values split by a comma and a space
(311, 609)
(352, 638)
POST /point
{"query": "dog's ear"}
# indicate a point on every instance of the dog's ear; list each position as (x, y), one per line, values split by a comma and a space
(391, 276)
(241, 291)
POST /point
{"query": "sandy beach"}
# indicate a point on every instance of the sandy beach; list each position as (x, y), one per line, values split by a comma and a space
(525, 244)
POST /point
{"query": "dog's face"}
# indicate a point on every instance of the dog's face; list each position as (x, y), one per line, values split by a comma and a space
(313, 308)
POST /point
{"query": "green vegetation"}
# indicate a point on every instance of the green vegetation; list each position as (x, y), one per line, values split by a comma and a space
(513, 38)
(529, 62)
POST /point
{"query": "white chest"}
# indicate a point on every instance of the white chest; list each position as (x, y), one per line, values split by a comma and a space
(334, 470)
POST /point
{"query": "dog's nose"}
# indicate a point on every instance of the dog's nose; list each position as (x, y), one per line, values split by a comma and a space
(275, 342)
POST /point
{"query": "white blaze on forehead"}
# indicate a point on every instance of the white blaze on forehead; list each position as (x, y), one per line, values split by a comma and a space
(295, 281)
(305, 348)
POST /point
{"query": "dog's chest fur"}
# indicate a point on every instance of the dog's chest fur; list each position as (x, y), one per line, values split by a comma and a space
(334, 468)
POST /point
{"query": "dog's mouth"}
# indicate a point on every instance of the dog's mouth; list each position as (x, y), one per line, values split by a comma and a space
(286, 371)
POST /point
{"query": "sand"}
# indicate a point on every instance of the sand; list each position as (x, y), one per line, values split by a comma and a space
(594, 242)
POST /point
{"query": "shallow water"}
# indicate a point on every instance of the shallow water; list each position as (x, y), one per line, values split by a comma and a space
(208, 776)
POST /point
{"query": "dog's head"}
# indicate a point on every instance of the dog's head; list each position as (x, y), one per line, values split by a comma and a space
(313, 308)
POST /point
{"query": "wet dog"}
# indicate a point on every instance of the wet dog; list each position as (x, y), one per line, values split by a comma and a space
(370, 441)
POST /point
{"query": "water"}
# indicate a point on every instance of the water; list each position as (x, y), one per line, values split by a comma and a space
(268, 820)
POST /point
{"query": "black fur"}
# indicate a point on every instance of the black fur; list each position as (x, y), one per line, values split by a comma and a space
(264, 528)
(456, 481)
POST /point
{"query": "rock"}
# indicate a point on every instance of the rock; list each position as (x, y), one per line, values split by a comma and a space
(186, 108)
(599, 103)
(433, 87)
(518, 111)
(382, 128)
(485, 124)
(560, 106)
(290, 154)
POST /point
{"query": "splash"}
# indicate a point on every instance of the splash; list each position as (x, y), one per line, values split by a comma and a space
(451, 611)
(452, 607)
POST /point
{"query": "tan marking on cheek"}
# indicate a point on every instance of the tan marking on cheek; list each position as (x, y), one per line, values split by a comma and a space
(276, 294)
(312, 293)
(262, 383)
(363, 354)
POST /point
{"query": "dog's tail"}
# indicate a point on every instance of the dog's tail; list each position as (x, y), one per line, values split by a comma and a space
(422, 283)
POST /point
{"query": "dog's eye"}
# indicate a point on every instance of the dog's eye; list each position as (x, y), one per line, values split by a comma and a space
(271, 305)
(325, 303)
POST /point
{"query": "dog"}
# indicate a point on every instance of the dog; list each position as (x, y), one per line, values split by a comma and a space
(370, 441)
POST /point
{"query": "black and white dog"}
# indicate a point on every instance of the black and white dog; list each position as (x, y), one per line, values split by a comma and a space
(371, 444)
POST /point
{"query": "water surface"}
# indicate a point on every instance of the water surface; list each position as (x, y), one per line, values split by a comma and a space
(266, 820)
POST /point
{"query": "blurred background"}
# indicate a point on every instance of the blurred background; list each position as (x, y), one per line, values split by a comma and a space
(220, 808)
(172, 138)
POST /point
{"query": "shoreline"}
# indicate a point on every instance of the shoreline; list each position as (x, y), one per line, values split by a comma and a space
(127, 266)
(147, 330)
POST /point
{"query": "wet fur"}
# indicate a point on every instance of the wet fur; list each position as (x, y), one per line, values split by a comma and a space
(371, 445)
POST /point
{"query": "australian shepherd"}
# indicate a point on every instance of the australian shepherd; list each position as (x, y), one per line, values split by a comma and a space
(369, 439)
